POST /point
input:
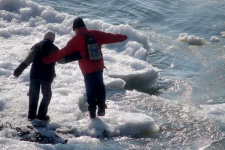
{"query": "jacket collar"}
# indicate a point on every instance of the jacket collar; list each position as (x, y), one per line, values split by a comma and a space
(82, 31)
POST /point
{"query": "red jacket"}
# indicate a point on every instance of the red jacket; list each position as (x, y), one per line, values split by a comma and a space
(77, 43)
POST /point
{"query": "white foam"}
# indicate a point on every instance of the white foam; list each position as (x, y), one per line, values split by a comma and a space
(192, 39)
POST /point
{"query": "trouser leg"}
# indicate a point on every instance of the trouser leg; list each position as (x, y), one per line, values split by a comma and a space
(47, 95)
(100, 92)
(91, 93)
(33, 98)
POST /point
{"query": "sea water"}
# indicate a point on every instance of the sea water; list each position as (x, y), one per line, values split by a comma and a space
(165, 84)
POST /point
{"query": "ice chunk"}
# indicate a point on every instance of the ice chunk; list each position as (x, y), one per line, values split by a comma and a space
(192, 40)
(83, 106)
(136, 125)
(223, 34)
(98, 125)
(136, 50)
(214, 39)
(140, 80)
(115, 84)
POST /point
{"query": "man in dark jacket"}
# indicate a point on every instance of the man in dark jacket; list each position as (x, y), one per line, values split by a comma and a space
(92, 70)
(41, 75)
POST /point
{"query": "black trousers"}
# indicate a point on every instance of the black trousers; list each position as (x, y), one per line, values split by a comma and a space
(95, 89)
(35, 86)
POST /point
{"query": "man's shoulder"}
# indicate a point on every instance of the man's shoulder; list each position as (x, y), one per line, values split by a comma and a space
(54, 47)
(40, 43)
(94, 31)
(37, 45)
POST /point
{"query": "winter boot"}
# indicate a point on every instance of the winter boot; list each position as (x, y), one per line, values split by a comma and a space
(30, 118)
(44, 118)
(101, 110)
(92, 112)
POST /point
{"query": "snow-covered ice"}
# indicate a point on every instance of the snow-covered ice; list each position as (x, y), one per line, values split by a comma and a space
(22, 24)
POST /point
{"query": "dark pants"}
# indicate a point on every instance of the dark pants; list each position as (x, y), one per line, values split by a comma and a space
(34, 92)
(95, 89)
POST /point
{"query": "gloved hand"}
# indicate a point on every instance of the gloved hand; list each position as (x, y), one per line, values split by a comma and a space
(18, 71)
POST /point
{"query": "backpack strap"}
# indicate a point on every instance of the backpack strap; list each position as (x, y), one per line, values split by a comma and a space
(87, 36)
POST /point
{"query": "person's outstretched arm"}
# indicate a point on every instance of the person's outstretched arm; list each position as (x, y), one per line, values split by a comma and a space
(58, 55)
(109, 38)
(28, 60)
(70, 58)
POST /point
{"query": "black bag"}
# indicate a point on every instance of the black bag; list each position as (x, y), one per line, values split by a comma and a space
(92, 50)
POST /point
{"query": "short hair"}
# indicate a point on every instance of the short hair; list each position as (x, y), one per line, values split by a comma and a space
(78, 23)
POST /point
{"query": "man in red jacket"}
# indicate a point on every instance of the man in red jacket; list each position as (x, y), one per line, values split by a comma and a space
(92, 70)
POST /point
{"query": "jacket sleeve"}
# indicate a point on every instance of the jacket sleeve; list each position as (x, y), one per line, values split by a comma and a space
(30, 57)
(18, 71)
(56, 56)
(27, 61)
(108, 38)
(69, 58)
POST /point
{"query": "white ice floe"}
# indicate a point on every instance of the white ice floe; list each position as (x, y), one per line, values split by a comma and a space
(192, 39)
(215, 39)
(223, 34)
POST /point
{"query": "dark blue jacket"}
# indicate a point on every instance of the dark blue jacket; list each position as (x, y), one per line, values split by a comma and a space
(39, 70)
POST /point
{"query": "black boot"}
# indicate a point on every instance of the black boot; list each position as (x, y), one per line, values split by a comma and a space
(101, 110)
(92, 112)
(31, 113)
(31, 117)
(44, 118)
